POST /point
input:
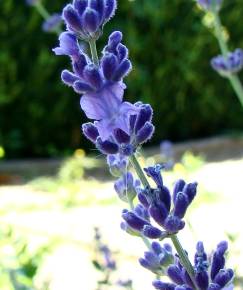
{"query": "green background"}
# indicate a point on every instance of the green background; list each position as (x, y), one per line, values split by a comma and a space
(170, 49)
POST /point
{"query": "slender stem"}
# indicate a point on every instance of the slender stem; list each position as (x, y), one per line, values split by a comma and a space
(183, 258)
(95, 58)
(42, 10)
(233, 78)
(180, 251)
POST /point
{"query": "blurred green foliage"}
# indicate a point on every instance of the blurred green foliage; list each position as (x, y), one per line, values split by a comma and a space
(170, 49)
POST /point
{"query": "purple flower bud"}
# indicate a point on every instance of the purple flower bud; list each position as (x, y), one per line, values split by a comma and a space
(187, 278)
(90, 131)
(155, 173)
(142, 212)
(181, 205)
(106, 147)
(159, 213)
(156, 247)
(224, 277)
(208, 4)
(72, 19)
(145, 115)
(122, 70)
(68, 78)
(114, 39)
(93, 76)
(117, 164)
(190, 190)
(174, 273)
(173, 224)
(99, 6)
(163, 195)
(202, 280)
(90, 20)
(110, 8)
(145, 133)
(152, 232)
(178, 187)
(127, 149)
(134, 221)
(232, 63)
(163, 286)
(218, 262)
(121, 136)
(81, 87)
(122, 52)
(80, 6)
(52, 23)
(214, 286)
(109, 64)
(79, 64)
(68, 45)
(126, 187)
(222, 247)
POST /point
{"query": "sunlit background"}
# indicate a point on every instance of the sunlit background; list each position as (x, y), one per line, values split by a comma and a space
(55, 189)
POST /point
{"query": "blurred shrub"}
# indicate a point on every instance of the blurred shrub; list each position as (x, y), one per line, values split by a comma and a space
(170, 49)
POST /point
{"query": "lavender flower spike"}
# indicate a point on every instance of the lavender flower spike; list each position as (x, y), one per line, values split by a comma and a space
(226, 66)
(208, 4)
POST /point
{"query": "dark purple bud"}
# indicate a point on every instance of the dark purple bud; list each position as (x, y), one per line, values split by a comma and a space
(106, 147)
(122, 52)
(178, 187)
(121, 136)
(173, 224)
(90, 20)
(214, 286)
(218, 262)
(159, 213)
(81, 87)
(202, 280)
(142, 212)
(90, 131)
(145, 115)
(200, 258)
(181, 205)
(152, 259)
(163, 195)
(114, 39)
(110, 8)
(122, 70)
(80, 6)
(132, 121)
(156, 247)
(222, 247)
(187, 278)
(79, 64)
(163, 286)
(72, 19)
(152, 232)
(155, 173)
(224, 277)
(99, 7)
(93, 76)
(144, 263)
(145, 133)
(68, 78)
(134, 221)
(174, 273)
(190, 190)
(68, 45)
(109, 65)
(142, 198)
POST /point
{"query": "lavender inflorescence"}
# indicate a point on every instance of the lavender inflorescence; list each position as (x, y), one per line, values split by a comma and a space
(227, 65)
(118, 129)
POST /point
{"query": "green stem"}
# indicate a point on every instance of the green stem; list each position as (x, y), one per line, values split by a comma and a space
(233, 78)
(183, 258)
(180, 251)
(42, 10)
(95, 58)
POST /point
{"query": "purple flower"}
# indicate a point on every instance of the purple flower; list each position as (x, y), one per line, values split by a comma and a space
(118, 164)
(68, 46)
(225, 66)
(87, 18)
(208, 4)
(52, 23)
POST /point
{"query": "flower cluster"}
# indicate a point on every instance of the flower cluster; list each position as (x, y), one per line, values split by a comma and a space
(232, 63)
(118, 127)
(87, 17)
(210, 273)
(209, 4)
(155, 204)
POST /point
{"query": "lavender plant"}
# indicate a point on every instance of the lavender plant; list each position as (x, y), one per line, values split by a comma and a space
(118, 129)
(52, 22)
(229, 63)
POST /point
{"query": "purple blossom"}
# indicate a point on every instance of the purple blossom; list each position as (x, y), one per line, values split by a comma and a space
(87, 18)
(208, 4)
(232, 63)
(52, 23)
(68, 46)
